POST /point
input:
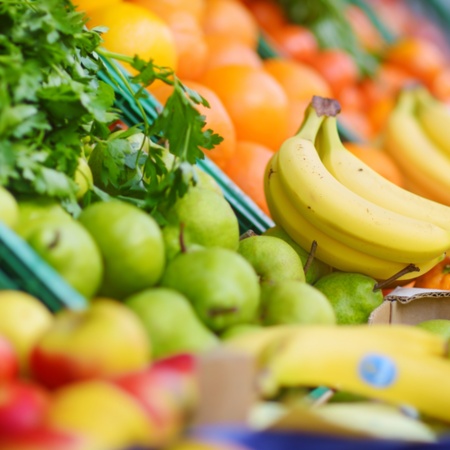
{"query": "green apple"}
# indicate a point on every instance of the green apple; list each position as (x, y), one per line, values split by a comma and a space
(201, 217)
(69, 248)
(295, 302)
(316, 270)
(105, 414)
(272, 258)
(221, 284)
(131, 245)
(23, 320)
(352, 295)
(171, 322)
(9, 210)
(440, 327)
(105, 339)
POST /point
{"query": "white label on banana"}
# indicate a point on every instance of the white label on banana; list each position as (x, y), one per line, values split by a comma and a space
(379, 371)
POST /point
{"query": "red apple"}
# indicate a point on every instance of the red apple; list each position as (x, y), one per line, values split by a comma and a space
(23, 405)
(45, 439)
(106, 339)
(166, 390)
(9, 360)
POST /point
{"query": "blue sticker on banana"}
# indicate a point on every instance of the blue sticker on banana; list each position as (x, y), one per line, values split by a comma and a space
(379, 371)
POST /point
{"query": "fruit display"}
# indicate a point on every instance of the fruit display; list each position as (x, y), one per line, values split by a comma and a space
(242, 214)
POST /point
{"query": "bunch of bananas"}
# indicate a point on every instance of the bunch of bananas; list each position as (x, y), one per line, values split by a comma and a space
(318, 191)
(398, 364)
(417, 136)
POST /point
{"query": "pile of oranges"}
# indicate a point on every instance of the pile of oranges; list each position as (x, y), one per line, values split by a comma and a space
(255, 103)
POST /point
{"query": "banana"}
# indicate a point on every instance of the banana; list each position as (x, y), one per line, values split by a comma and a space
(379, 420)
(365, 367)
(422, 162)
(344, 215)
(366, 182)
(434, 117)
(329, 250)
(283, 341)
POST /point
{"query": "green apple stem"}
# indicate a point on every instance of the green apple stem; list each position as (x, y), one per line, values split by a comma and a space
(248, 233)
(385, 283)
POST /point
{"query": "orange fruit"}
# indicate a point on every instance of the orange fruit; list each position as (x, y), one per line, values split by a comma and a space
(231, 18)
(223, 51)
(378, 160)
(134, 30)
(378, 113)
(191, 47)
(351, 98)
(295, 41)
(421, 58)
(288, 73)
(440, 85)
(358, 123)
(165, 8)
(256, 102)
(268, 13)
(246, 169)
(89, 5)
(218, 120)
(337, 67)
(300, 81)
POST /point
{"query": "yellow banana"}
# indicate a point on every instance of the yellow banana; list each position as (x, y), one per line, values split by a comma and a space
(366, 367)
(329, 250)
(344, 215)
(366, 182)
(274, 342)
(434, 117)
(421, 161)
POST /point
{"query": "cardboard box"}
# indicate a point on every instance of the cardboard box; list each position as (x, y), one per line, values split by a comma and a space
(411, 306)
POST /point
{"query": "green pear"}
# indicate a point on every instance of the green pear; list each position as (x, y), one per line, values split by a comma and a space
(221, 285)
(316, 270)
(237, 330)
(69, 248)
(295, 302)
(206, 181)
(352, 295)
(131, 244)
(9, 209)
(272, 258)
(171, 323)
(201, 217)
(33, 210)
(440, 327)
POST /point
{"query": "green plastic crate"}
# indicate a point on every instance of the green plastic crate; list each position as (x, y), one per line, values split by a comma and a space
(21, 268)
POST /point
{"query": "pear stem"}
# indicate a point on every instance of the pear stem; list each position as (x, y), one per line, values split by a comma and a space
(311, 256)
(181, 239)
(385, 283)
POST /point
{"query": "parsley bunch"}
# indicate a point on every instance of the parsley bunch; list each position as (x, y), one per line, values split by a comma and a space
(53, 104)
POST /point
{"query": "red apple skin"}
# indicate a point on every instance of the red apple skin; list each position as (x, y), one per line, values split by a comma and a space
(166, 390)
(107, 339)
(44, 438)
(56, 370)
(9, 360)
(23, 405)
